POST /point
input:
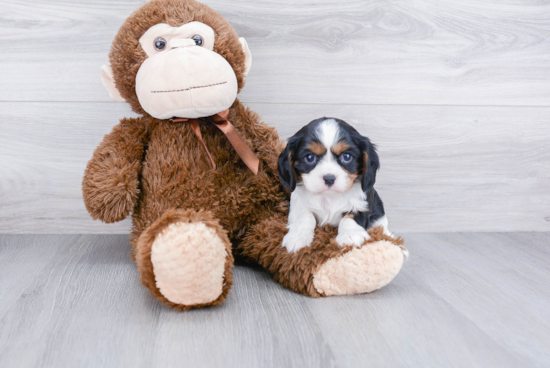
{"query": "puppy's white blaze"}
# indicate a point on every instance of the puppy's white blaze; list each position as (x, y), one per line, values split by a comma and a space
(328, 132)
(314, 182)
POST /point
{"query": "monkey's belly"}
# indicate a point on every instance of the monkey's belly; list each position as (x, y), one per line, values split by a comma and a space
(231, 192)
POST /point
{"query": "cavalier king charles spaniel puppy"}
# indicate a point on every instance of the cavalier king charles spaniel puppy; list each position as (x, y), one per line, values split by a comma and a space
(330, 169)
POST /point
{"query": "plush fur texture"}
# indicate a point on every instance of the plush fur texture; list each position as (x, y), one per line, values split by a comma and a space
(143, 248)
(361, 270)
(159, 171)
(188, 261)
(297, 270)
(182, 79)
(126, 54)
(111, 179)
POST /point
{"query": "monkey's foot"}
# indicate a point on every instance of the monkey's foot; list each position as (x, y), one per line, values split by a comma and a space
(361, 270)
(189, 263)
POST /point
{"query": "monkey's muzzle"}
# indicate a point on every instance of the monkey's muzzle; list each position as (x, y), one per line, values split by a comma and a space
(188, 82)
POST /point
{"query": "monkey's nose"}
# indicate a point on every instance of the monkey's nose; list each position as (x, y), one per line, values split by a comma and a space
(329, 179)
(181, 42)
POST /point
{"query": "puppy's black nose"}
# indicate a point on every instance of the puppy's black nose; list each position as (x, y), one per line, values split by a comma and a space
(329, 179)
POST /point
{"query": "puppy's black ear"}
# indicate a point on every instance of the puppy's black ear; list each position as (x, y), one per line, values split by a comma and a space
(371, 164)
(287, 175)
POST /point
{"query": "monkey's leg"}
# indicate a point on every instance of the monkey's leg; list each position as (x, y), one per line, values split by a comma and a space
(185, 259)
(324, 268)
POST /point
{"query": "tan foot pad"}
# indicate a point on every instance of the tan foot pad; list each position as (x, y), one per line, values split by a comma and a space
(188, 262)
(360, 270)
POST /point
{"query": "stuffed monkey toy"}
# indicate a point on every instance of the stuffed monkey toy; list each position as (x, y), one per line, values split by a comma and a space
(198, 170)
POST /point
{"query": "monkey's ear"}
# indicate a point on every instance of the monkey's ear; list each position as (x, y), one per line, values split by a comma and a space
(109, 83)
(247, 56)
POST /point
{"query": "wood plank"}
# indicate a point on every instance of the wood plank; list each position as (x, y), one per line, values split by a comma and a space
(45, 148)
(475, 300)
(499, 282)
(443, 168)
(71, 302)
(377, 52)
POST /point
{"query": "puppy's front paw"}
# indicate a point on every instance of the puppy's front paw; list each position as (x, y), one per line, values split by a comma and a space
(294, 241)
(352, 237)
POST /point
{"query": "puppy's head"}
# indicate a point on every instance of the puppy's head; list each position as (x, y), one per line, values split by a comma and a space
(328, 155)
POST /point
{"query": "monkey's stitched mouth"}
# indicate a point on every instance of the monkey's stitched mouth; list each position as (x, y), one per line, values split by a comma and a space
(190, 88)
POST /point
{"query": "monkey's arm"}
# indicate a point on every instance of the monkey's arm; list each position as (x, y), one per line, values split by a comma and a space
(111, 179)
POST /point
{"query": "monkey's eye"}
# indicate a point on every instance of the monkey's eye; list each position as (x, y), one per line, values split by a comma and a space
(197, 39)
(310, 158)
(160, 43)
(345, 158)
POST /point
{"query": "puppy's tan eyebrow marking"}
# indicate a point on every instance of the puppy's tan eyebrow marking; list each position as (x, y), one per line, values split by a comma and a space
(317, 148)
(340, 147)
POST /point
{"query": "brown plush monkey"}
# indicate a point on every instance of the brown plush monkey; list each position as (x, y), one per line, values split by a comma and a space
(202, 185)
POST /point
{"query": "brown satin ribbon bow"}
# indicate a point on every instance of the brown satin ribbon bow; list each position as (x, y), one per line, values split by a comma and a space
(221, 121)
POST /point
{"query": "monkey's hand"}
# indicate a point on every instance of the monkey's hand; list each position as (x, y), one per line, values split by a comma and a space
(111, 180)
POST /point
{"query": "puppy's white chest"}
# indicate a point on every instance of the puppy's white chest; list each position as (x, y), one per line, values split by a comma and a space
(325, 213)
(330, 208)
(325, 203)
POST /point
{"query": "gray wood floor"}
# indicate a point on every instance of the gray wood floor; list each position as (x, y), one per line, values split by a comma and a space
(462, 300)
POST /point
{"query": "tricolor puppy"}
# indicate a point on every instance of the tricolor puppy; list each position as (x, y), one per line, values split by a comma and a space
(330, 169)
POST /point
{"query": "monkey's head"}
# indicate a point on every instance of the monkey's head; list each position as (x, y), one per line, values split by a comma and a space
(176, 58)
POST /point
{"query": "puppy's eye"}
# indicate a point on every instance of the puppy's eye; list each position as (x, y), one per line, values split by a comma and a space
(160, 43)
(345, 158)
(310, 158)
(198, 40)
